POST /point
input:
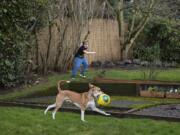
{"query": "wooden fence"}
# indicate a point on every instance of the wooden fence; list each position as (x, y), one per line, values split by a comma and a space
(103, 39)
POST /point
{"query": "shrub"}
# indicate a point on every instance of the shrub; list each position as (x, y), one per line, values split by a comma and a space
(160, 40)
(14, 35)
(12, 60)
(151, 89)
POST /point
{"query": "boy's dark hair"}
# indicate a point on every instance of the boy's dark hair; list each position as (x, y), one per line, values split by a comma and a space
(84, 42)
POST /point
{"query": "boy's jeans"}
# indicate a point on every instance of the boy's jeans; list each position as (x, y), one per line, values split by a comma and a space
(76, 65)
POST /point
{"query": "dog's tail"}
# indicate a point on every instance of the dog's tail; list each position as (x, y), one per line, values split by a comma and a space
(60, 83)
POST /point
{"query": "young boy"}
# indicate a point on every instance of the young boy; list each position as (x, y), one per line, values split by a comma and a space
(80, 59)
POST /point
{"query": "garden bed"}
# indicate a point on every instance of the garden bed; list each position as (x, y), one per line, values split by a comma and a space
(113, 87)
(142, 87)
(152, 94)
(173, 95)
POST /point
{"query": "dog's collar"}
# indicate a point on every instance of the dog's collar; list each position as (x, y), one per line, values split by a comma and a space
(95, 97)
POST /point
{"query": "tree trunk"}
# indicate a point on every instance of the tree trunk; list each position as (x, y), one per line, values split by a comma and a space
(130, 43)
(86, 36)
(125, 51)
(60, 48)
(126, 45)
(36, 49)
(120, 20)
(49, 43)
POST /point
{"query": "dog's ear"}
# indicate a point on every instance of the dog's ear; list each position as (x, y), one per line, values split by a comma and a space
(91, 86)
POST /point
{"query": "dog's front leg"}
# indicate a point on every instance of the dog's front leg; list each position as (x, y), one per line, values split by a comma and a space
(82, 115)
(100, 111)
(92, 105)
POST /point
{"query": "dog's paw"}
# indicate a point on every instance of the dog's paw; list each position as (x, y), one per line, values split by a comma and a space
(53, 116)
(108, 114)
(68, 81)
(45, 112)
(83, 120)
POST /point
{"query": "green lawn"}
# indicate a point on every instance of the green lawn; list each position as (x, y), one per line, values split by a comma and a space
(164, 75)
(153, 101)
(21, 121)
(27, 90)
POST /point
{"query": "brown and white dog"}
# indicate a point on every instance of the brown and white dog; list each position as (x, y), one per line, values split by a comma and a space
(81, 100)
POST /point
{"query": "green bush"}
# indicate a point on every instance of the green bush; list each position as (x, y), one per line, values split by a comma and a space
(153, 89)
(147, 53)
(160, 40)
(14, 35)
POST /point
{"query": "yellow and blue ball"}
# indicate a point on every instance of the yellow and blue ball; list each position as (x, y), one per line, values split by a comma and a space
(103, 100)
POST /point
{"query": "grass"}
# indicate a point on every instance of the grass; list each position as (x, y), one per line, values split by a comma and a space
(150, 101)
(164, 75)
(21, 121)
(157, 100)
(28, 90)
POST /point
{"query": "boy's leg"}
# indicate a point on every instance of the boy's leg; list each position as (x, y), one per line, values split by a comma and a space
(76, 66)
(85, 66)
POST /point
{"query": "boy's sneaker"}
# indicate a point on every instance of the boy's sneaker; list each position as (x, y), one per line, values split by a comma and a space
(81, 75)
(73, 78)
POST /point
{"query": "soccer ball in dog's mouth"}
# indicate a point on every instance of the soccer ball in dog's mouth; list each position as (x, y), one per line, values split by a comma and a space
(103, 100)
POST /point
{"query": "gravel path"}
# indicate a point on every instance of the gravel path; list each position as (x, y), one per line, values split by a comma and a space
(172, 110)
(47, 99)
(114, 103)
(127, 103)
(162, 110)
